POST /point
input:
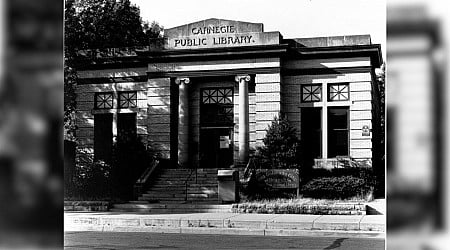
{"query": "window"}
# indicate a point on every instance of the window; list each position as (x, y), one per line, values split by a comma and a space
(128, 99)
(220, 96)
(216, 107)
(103, 137)
(311, 93)
(103, 100)
(338, 130)
(338, 92)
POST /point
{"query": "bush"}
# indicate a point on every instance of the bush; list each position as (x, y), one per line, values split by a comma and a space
(338, 187)
(101, 181)
(91, 181)
(257, 190)
(281, 146)
(129, 160)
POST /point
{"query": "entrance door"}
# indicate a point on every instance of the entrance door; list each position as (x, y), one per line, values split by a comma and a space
(311, 135)
(216, 148)
(216, 128)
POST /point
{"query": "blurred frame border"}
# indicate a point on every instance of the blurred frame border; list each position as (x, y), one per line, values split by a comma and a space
(417, 215)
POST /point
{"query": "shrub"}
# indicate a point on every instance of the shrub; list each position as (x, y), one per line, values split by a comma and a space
(129, 160)
(91, 181)
(338, 187)
(257, 190)
(99, 180)
(281, 146)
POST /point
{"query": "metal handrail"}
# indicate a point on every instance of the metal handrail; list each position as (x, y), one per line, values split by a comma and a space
(186, 182)
(250, 168)
(143, 180)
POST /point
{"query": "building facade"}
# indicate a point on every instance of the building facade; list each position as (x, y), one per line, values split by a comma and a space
(204, 95)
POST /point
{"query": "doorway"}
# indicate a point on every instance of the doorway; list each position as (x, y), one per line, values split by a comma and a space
(216, 147)
(216, 128)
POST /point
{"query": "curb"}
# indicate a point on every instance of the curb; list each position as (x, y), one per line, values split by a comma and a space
(233, 231)
(229, 224)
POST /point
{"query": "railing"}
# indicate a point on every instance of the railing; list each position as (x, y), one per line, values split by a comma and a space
(249, 171)
(186, 182)
(337, 162)
(143, 181)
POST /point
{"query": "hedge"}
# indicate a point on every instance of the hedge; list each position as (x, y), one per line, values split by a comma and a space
(338, 187)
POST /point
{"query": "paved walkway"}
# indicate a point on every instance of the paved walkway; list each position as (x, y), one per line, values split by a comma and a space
(228, 223)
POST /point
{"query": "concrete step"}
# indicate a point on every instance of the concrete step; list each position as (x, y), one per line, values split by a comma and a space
(173, 206)
(157, 195)
(168, 196)
(170, 211)
(180, 183)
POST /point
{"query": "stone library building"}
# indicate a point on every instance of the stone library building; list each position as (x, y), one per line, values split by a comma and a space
(204, 95)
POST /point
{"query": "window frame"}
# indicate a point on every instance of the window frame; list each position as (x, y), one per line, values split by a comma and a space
(319, 85)
(127, 100)
(330, 85)
(96, 101)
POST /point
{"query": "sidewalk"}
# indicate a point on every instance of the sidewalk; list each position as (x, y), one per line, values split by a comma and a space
(229, 223)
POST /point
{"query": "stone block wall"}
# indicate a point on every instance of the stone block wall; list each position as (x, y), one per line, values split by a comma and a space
(268, 103)
(360, 103)
(86, 110)
(158, 115)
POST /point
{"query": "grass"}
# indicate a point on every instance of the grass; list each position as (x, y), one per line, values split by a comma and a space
(301, 201)
(302, 206)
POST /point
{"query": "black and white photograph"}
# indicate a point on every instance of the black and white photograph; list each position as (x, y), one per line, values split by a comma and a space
(225, 125)
(139, 124)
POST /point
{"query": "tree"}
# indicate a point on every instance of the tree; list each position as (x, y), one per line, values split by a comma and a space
(281, 145)
(96, 24)
(379, 162)
(70, 79)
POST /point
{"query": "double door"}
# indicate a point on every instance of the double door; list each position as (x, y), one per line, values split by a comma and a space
(216, 147)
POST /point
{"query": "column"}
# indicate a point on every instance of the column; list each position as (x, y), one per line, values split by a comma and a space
(244, 137)
(325, 121)
(115, 111)
(183, 121)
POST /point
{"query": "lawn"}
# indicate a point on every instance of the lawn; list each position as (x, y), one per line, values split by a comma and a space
(302, 206)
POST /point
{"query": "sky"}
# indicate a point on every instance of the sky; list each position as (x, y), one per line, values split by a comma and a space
(292, 18)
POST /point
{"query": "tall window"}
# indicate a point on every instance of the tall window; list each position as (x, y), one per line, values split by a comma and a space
(325, 120)
(103, 137)
(338, 131)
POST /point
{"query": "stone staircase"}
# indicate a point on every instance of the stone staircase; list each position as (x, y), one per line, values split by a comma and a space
(167, 193)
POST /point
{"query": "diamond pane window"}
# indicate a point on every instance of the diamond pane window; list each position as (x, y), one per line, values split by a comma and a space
(311, 93)
(338, 92)
(217, 96)
(128, 99)
(103, 100)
